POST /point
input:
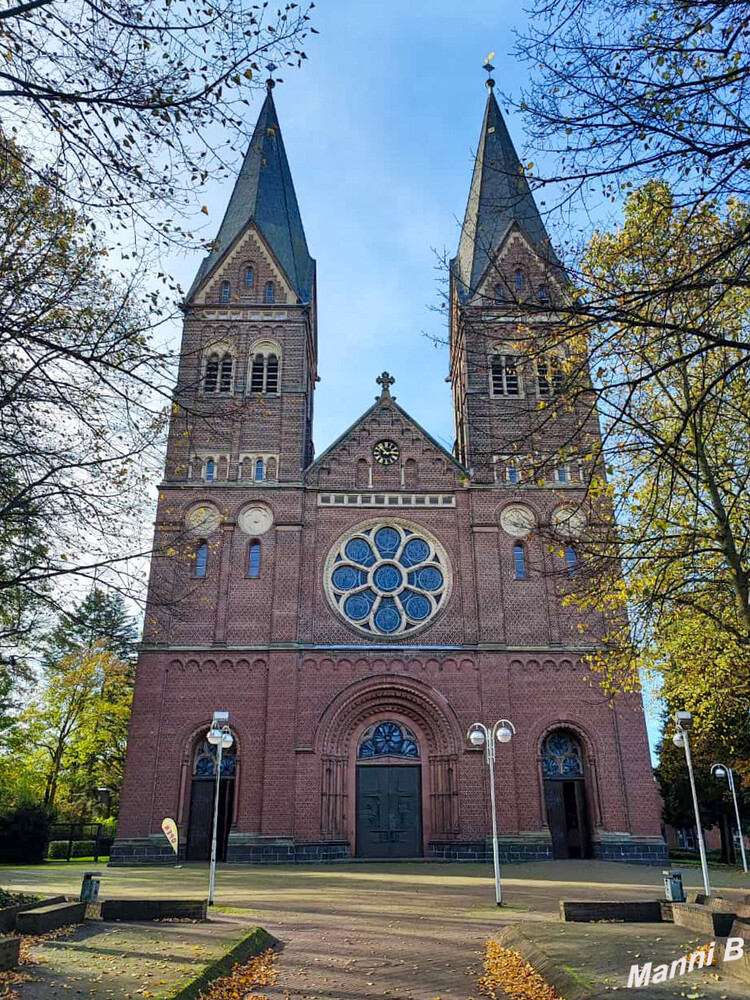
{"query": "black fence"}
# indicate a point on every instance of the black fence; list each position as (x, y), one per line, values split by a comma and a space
(73, 834)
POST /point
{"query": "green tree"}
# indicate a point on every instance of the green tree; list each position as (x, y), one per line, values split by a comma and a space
(102, 619)
(669, 535)
(81, 691)
(71, 736)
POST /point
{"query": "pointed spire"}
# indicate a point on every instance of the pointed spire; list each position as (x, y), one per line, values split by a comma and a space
(499, 197)
(264, 194)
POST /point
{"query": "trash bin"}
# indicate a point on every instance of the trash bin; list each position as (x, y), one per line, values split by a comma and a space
(673, 890)
(90, 887)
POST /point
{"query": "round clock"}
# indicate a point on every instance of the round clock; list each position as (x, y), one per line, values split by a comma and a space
(385, 452)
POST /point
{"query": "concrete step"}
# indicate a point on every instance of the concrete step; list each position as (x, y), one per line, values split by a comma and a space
(702, 919)
(48, 918)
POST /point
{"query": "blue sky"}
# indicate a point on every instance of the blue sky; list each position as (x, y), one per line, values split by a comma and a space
(380, 127)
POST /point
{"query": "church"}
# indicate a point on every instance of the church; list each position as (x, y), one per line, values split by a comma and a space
(356, 612)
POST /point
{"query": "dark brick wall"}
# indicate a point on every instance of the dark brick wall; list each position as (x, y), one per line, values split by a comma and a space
(633, 852)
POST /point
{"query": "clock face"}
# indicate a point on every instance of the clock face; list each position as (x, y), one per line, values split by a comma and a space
(385, 452)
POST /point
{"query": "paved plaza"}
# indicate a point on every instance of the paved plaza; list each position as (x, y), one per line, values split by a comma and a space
(411, 931)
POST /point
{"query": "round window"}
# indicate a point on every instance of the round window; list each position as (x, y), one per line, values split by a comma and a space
(387, 578)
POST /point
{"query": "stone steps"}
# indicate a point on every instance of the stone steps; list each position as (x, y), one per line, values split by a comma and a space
(41, 919)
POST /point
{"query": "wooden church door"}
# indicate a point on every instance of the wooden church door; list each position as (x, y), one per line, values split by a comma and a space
(389, 793)
(200, 826)
(565, 796)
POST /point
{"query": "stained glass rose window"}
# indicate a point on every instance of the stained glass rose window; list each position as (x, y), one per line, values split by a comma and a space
(388, 579)
(388, 739)
(561, 756)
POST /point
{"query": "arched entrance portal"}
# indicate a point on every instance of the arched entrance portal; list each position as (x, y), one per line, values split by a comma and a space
(421, 734)
(389, 792)
(200, 827)
(565, 795)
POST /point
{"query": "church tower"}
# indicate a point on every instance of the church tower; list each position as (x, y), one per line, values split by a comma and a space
(249, 351)
(505, 280)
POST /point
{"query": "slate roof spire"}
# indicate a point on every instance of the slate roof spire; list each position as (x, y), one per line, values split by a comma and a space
(499, 197)
(264, 194)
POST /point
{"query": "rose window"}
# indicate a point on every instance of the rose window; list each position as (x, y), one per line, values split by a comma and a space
(387, 579)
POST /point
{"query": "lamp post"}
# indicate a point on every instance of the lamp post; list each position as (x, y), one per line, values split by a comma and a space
(722, 771)
(479, 735)
(221, 737)
(683, 724)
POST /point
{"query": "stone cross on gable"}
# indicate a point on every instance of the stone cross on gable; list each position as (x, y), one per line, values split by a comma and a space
(385, 381)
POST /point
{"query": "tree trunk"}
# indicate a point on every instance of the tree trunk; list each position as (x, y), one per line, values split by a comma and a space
(727, 848)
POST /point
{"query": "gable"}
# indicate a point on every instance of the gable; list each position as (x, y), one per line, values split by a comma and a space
(350, 463)
(249, 249)
(516, 252)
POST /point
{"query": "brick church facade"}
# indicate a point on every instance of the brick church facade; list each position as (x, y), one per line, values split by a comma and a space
(356, 612)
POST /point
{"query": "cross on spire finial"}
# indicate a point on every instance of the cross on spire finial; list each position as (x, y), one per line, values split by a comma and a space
(385, 380)
(488, 67)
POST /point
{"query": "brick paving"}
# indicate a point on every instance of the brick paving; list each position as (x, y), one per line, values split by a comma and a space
(401, 931)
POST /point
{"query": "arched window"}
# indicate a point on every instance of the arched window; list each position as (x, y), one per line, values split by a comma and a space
(225, 375)
(549, 375)
(204, 761)
(518, 280)
(500, 294)
(257, 373)
(506, 379)
(264, 369)
(258, 470)
(253, 559)
(211, 380)
(388, 739)
(543, 294)
(201, 559)
(519, 561)
(561, 756)
(225, 291)
(270, 295)
(272, 373)
(571, 560)
(219, 370)
(249, 276)
(210, 470)
(507, 469)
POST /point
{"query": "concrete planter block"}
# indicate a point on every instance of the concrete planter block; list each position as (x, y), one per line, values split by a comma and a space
(49, 918)
(9, 951)
(9, 913)
(703, 920)
(154, 909)
(632, 911)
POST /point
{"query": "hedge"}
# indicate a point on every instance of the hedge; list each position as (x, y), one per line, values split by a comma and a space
(24, 834)
(81, 849)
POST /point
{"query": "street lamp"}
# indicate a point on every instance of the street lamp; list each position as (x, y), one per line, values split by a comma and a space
(479, 735)
(721, 771)
(681, 739)
(219, 736)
